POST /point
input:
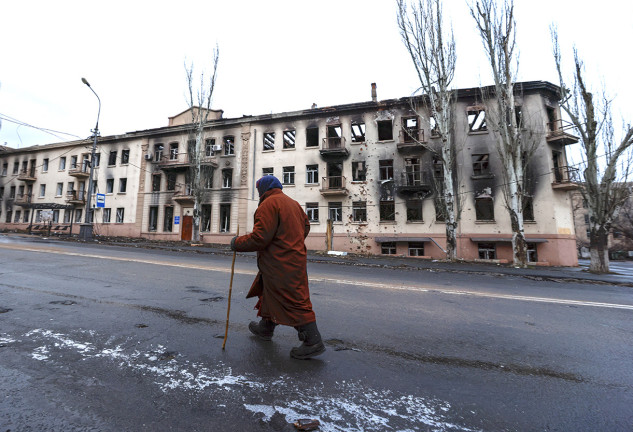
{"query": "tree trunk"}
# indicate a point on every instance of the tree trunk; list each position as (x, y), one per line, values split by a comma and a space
(598, 248)
(449, 202)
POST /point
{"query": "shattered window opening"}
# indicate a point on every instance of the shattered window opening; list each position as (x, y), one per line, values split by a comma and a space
(268, 171)
(288, 176)
(359, 171)
(111, 159)
(206, 218)
(109, 186)
(158, 152)
(531, 252)
(359, 211)
(528, 208)
(125, 157)
(120, 214)
(225, 217)
(435, 130)
(168, 219)
(334, 134)
(388, 248)
(156, 182)
(416, 248)
(289, 139)
(387, 211)
(410, 129)
(312, 174)
(477, 120)
(484, 209)
(414, 210)
(153, 218)
(227, 178)
(173, 151)
(481, 164)
(386, 169)
(358, 132)
(335, 211)
(385, 130)
(171, 181)
(413, 171)
(229, 145)
(487, 251)
(312, 137)
(208, 147)
(312, 210)
(269, 141)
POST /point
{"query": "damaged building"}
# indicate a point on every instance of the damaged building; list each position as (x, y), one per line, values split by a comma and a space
(364, 173)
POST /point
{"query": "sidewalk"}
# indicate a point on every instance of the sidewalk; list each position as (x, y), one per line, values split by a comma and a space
(622, 271)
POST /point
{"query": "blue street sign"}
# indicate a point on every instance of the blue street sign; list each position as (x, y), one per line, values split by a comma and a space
(100, 200)
(177, 220)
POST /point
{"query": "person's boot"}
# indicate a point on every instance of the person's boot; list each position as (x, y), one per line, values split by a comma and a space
(264, 329)
(312, 344)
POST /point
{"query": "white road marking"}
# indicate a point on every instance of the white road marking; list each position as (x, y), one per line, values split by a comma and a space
(316, 278)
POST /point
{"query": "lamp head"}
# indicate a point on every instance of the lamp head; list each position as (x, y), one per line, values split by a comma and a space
(85, 81)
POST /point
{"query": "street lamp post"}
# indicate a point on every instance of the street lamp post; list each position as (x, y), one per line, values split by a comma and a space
(85, 229)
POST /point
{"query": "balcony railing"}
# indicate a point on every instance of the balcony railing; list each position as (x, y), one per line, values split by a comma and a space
(558, 132)
(76, 197)
(411, 135)
(333, 185)
(565, 178)
(23, 199)
(183, 194)
(27, 174)
(179, 161)
(334, 146)
(82, 170)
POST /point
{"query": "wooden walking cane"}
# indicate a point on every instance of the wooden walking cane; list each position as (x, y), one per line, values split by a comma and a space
(228, 310)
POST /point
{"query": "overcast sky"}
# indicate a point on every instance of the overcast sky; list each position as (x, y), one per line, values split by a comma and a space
(275, 56)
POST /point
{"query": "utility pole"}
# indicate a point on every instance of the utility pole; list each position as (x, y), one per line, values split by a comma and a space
(85, 229)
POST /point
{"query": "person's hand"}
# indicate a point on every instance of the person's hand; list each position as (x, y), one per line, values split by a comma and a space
(233, 243)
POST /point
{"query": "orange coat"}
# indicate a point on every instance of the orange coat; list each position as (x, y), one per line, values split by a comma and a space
(278, 236)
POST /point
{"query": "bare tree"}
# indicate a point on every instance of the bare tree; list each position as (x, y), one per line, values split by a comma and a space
(200, 106)
(515, 146)
(605, 176)
(432, 50)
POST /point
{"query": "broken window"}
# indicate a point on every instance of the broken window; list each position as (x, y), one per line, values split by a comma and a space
(477, 119)
(208, 147)
(312, 210)
(416, 248)
(552, 125)
(288, 175)
(334, 134)
(123, 185)
(225, 217)
(359, 211)
(358, 132)
(153, 218)
(528, 208)
(388, 248)
(171, 181)
(109, 185)
(414, 210)
(484, 207)
(206, 218)
(227, 178)
(387, 211)
(229, 145)
(312, 137)
(481, 165)
(158, 152)
(120, 215)
(58, 192)
(359, 171)
(156, 182)
(413, 172)
(268, 171)
(410, 129)
(5, 166)
(125, 157)
(438, 169)
(335, 211)
(18, 214)
(106, 215)
(45, 165)
(312, 174)
(289, 139)
(168, 219)
(385, 130)
(173, 151)
(487, 251)
(531, 252)
(386, 169)
(269, 141)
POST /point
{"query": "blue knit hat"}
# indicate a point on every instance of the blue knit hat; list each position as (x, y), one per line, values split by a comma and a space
(267, 183)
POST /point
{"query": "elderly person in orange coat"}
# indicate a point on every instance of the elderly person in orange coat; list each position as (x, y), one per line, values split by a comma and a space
(278, 236)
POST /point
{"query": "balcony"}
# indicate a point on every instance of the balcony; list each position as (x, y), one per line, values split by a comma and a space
(331, 186)
(557, 133)
(565, 178)
(27, 175)
(80, 171)
(23, 199)
(76, 197)
(183, 195)
(411, 140)
(414, 182)
(181, 162)
(334, 147)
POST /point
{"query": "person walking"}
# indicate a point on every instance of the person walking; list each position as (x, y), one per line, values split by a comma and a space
(281, 284)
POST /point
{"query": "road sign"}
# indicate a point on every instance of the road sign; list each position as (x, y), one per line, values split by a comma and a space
(177, 220)
(100, 200)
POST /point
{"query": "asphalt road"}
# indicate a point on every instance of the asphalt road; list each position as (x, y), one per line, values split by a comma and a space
(103, 338)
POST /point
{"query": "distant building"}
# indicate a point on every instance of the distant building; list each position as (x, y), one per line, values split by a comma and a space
(360, 165)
